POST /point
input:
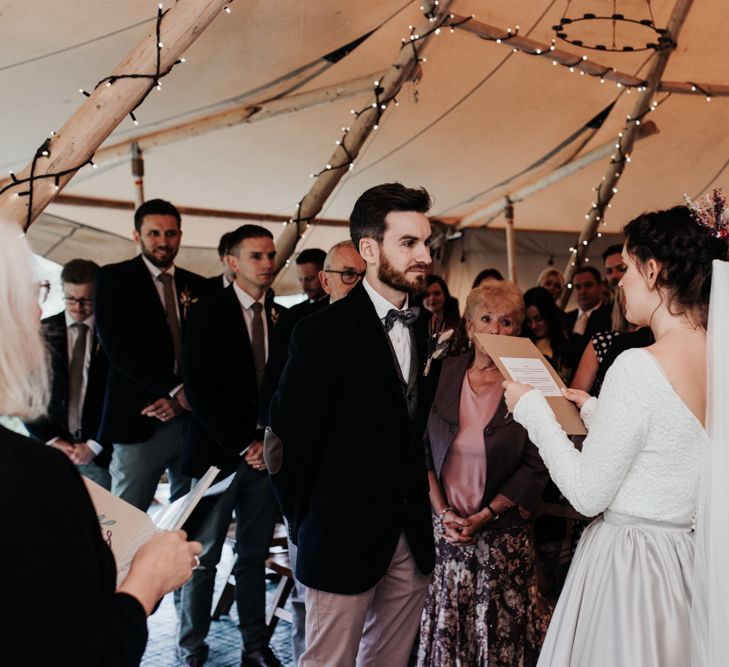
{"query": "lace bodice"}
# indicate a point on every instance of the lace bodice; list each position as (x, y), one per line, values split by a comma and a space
(642, 455)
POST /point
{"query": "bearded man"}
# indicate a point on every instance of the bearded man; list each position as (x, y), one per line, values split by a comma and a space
(348, 467)
(141, 308)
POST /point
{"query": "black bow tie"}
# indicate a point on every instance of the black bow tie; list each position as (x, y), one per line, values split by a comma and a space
(407, 317)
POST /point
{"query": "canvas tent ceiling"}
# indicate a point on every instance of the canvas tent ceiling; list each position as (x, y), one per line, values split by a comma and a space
(479, 115)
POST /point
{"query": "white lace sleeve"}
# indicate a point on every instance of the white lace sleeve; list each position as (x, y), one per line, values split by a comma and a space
(588, 411)
(589, 479)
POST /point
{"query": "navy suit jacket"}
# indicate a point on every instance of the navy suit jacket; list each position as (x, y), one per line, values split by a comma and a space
(352, 475)
(55, 423)
(220, 383)
(134, 333)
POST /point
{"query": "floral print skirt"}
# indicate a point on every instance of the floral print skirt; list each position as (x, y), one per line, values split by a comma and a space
(482, 607)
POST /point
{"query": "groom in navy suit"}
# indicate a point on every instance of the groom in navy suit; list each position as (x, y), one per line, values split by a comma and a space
(349, 467)
(141, 309)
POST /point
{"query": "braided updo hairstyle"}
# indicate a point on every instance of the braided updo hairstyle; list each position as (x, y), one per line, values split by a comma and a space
(685, 251)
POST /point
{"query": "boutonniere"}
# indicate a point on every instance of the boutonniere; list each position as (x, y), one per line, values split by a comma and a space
(275, 312)
(440, 349)
(186, 300)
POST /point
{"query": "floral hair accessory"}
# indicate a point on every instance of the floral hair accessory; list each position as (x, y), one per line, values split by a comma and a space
(710, 213)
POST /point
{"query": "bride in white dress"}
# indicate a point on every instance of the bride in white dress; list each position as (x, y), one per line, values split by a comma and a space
(627, 598)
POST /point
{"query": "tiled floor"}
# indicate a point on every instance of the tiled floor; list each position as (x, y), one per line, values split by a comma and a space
(224, 638)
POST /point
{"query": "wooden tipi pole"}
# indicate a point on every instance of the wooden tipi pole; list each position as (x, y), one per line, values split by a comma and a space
(74, 145)
(510, 241)
(624, 147)
(384, 90)
(138, 175)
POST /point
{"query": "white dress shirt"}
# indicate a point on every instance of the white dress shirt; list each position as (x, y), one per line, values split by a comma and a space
(399, 334)
(156, 271)
(580, 312)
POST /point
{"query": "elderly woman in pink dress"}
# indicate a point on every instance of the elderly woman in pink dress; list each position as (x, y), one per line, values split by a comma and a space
(486, 482)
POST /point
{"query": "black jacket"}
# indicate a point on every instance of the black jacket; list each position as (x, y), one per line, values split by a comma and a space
(352, 476)
(55, 423)
(600, 320)
(133, 329)
(278, 353)
(220, 383)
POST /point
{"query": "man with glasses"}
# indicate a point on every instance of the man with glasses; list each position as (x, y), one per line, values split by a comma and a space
(343, 268)
(80, 369)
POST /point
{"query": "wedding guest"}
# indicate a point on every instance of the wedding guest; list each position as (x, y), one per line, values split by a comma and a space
(612, 258)
(79, 372)
(343, 269)
(141, 307)
(348, 468)
(437, 300)
(599, 355)
(486, 483)
(629, 594)
(231, 330)
(309, 263)
(545, 327)
(591, 315)
(553, 281)
(487, 274)
(224, 279)
(55, 564)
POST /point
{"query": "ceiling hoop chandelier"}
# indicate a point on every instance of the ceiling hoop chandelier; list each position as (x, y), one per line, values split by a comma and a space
(658, 39)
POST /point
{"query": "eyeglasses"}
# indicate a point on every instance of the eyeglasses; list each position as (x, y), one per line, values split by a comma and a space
(82, 301)
(44, 288)
(349, 277)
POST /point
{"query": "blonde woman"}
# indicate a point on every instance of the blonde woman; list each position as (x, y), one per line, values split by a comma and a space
(55, 566)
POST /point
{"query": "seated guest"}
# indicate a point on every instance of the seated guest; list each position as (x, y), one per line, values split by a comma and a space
(553, 281)
(486, 483)
(545, 327)
(486, 274)
(57, 568)
(591, 316)
(80, 369)
(221, 281)
(308, 264)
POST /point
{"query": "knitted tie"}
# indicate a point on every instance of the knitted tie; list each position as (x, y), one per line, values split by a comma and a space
(407, 317)
(258, 342)
(172, 322)
(76, 378)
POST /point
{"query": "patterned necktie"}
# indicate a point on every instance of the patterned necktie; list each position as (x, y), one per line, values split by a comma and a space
(172, 321)
(76, 378)
(407, 317)
(258, 342)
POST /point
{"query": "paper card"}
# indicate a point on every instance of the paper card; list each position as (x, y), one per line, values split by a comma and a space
(519, 360)
(533, 372)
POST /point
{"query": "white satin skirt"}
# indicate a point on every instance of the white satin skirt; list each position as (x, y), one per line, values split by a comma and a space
(626, 599)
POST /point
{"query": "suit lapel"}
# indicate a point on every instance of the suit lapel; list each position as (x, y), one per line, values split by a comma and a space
(376, 339)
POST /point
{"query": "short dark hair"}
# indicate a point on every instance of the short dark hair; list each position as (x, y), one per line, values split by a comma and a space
(614, 249)
(494, 274)
(155, 207)
(588, 269)
(312, 256)
(237, 236)
(223, 244)
(79, 271)
(371, 209)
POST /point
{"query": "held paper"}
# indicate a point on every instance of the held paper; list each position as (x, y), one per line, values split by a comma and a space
(531, 371)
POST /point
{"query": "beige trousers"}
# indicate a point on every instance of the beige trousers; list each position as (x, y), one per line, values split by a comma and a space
(371, 629)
